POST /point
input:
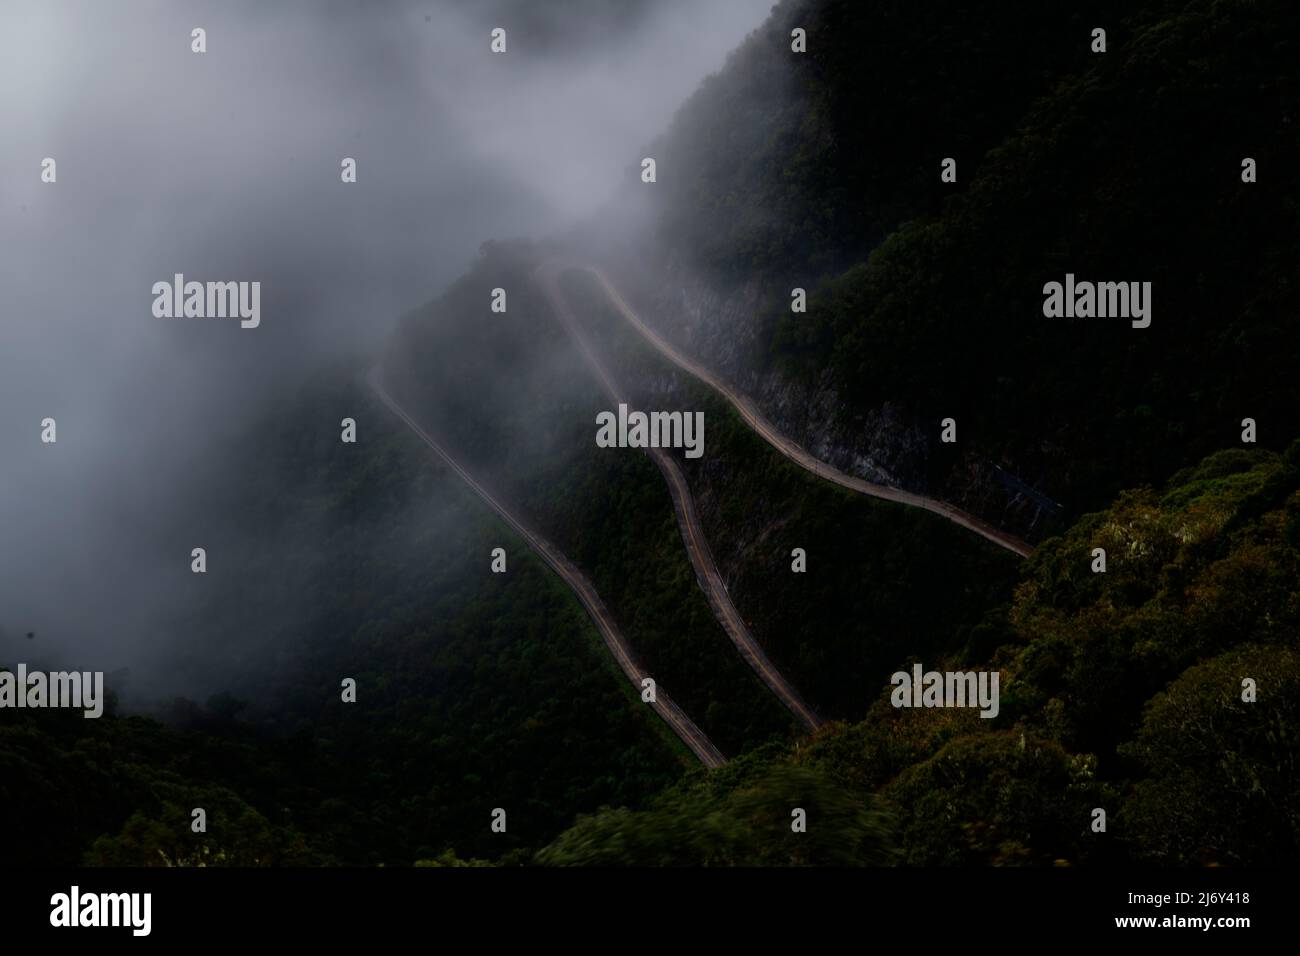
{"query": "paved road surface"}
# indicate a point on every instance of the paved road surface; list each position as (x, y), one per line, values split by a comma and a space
(697, 546)
(750, 413)
(674, 716)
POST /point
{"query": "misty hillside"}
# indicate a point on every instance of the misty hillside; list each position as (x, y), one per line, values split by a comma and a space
(483, 687)
(802, 163)
(511, 398)
(787, 170)
(367, 561)
(453, 145)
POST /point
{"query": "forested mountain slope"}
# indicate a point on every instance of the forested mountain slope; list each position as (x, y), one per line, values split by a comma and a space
(822, 171)
(1121, 691)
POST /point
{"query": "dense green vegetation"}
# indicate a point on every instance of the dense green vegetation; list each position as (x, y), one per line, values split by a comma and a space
(738, 816)
(1121, 690)
(823, 171)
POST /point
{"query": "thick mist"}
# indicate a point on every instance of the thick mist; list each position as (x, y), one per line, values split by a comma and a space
(225, 166)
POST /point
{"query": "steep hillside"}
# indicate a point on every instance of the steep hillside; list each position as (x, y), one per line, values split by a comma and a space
(882, 581)
(801, 163)
(510, 396)
(927, 297)
(1120, 691)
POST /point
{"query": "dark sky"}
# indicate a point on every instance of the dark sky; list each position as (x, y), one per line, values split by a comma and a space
(225, 166)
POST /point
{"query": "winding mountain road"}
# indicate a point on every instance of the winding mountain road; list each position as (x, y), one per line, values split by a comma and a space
(697, 546)
(791, 450)
(664, 706)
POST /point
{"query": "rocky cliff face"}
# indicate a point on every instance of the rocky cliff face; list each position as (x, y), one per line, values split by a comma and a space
(726, 329)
